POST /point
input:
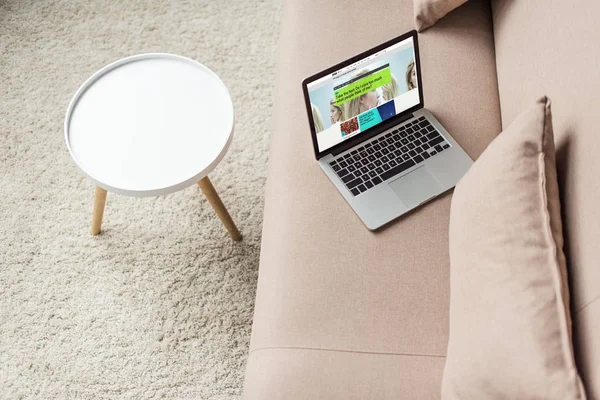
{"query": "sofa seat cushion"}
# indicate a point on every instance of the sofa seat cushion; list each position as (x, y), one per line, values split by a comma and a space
(324, 374)
(326, 282)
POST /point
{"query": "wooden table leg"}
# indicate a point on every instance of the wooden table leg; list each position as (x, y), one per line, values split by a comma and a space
(215, 201)
(99, 203)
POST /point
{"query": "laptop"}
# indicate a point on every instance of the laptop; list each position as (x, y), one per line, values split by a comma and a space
(372, 136)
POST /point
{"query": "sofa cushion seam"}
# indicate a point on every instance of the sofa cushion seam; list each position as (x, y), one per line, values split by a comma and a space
(345, 351)
(589, 303)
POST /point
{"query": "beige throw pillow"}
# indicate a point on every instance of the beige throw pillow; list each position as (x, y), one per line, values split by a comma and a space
(510, 330)
(427, 12)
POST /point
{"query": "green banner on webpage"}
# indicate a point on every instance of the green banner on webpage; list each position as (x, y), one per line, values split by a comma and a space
(362, 86)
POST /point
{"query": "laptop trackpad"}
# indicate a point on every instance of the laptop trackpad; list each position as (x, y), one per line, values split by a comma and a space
(416, 187)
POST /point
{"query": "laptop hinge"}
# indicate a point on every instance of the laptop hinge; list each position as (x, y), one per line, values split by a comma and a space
(352, 143)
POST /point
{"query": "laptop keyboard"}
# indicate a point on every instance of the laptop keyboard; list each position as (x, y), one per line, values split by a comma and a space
(387, 156)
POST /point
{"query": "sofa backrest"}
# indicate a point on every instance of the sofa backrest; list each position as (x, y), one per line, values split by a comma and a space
(552, 47)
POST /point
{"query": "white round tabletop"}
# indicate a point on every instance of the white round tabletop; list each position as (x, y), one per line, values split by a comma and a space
(149, 124)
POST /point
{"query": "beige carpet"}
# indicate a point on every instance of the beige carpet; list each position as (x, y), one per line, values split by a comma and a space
(160, 305)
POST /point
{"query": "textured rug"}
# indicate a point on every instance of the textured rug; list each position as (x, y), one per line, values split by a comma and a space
(160, 305)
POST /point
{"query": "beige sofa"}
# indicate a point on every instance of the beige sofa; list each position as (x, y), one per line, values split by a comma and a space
(344, 313)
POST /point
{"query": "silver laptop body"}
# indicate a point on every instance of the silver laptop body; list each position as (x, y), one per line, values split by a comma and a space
(399, 156)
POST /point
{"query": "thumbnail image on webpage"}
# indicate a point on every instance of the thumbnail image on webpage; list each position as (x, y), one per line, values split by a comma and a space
(364, 94)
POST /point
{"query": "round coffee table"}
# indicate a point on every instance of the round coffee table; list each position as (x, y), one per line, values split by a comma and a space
(149, 125)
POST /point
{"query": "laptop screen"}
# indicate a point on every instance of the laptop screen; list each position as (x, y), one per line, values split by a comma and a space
(362, 95)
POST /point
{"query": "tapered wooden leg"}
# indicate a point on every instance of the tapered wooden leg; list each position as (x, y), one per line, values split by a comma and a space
(215, 201)
(99, 203)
